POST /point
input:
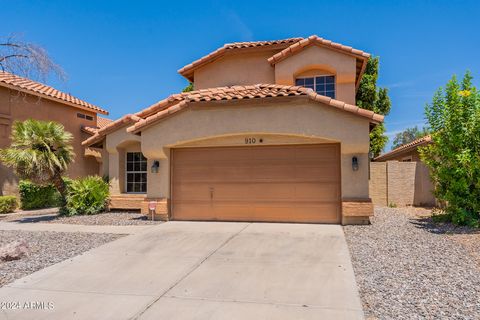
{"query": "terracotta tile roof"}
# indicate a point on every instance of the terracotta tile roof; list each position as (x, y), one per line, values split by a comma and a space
(101, 122)
(36, 88)
(312, 40)
(405, 148)
(251, 44)
(187, 71)
(112, 126)
(90, 130)
(362, 57)
(178, 102)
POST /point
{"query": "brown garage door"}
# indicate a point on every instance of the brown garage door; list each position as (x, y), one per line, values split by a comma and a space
(298, 183)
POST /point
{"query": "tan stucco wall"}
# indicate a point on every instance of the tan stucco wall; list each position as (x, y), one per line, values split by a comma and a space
(104, 163)
(423, 187)
(117, 144)
(423, 184)
(378, 183)
(300, 118)
(236, 69)
(318, 60)
(251, 68)
(114, 173)
(21, 106)
(400, 184)
(265, 138)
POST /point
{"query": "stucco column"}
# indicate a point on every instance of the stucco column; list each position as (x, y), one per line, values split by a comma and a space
(158, 184)
(354, 183)
(104, 164)
(114, 172)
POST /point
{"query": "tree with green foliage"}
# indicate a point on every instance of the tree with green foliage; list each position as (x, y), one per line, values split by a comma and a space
(370, 97)
(408, 135)
(40, 152)
(188, 88)
(453, 157)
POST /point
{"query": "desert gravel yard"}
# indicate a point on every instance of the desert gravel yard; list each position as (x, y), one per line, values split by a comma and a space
(120, 218)
(45, 249)
(408, 267)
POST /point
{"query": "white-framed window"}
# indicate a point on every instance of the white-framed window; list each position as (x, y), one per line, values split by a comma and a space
(322, 84)
(136, 173)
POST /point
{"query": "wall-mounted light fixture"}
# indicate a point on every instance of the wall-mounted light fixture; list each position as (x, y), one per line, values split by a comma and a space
(155, 166)
(354, 163)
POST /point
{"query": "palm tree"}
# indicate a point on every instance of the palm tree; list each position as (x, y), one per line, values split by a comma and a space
(40, 152)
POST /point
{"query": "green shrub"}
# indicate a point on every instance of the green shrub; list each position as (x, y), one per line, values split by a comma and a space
(8, 204)
(440, 216)
(33, 196)
(453, 156)
(87, 195)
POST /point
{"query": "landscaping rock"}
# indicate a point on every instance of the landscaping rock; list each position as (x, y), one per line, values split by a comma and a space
(106, 219)
(13, 251)
(45, 249)
(408, 267)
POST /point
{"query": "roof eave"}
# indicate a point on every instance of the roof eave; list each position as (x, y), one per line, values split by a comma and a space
(297, 47)
(360, 75)
(96, 138)
(88, 131)
(112, 127)
(188, 70)
(400, 150)
(143, 124)
(37, 94)
(165, 113)
(189, 76)
(364, 56)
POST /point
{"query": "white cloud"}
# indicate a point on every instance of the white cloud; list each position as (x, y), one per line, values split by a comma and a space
(240, 26)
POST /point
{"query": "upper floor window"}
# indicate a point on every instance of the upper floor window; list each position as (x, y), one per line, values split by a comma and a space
(324, 85)
(84, 116)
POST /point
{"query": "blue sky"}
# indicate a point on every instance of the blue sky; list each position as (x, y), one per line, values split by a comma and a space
(123, 55)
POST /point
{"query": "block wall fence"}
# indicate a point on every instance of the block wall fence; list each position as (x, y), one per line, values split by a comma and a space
(400, 184)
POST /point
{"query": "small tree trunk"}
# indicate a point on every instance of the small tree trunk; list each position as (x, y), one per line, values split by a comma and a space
(61, 187)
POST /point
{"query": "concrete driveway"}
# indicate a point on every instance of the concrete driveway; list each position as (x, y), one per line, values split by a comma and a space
(199, 270)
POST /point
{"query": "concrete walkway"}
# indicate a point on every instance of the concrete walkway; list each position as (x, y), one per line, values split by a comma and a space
(200, 270)
(60, 227)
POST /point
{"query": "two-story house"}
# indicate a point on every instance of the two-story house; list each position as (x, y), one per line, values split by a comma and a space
(270, 133)
(22, 98)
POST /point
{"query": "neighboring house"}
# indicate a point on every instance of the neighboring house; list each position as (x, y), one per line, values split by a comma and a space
(271, 133)
(407, 152)
(399, 178)
(22, 99)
